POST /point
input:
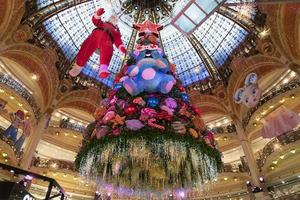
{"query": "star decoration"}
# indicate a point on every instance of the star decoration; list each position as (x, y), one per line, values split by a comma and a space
(184, 112)
(118, 120)
(148, 27)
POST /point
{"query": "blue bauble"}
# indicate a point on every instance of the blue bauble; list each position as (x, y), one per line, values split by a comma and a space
(152, 102)
(185, 97)
(118, 86)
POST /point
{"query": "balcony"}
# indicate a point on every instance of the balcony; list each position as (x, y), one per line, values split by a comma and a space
(276, 145)
(23, 92)
(53, 164)
(271, 95)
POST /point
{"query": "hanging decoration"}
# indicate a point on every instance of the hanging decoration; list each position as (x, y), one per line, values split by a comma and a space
(250, 94)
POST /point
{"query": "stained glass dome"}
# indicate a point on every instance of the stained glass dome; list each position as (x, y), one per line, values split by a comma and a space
(219, 35)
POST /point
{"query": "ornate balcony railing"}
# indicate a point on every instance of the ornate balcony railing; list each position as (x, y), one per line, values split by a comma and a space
(22, 91)
(72, 126)
(224, 129)
(270, 95)
(272, 146)
(68, 125)
(53, 164)
(235, 168)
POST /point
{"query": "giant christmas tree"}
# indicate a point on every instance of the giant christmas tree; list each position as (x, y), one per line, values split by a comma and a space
(146, 135)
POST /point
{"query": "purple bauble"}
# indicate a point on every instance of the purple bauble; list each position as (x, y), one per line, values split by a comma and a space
(171, 103)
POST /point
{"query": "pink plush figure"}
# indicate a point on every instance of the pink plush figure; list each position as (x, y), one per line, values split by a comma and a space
(102, 37)
(280, 121)
(250, 93)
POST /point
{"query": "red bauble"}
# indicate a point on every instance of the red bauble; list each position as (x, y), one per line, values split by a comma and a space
(196, 110)
(181, 89)
(130, 109)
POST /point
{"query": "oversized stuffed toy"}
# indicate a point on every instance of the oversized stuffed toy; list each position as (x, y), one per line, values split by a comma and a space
(150, 74)
(250, 93)
(103, 37)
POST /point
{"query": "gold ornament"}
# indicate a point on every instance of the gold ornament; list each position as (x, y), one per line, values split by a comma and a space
(193, 133)
(118, 120)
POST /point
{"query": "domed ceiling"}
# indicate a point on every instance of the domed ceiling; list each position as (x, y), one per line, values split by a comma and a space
(219, 35)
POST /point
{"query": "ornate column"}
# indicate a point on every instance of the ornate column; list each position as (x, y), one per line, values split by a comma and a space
(246, 145)
(254, 172)
(38, 129)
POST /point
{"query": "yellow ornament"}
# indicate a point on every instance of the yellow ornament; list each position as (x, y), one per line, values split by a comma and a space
(193, 133)
(118, 120)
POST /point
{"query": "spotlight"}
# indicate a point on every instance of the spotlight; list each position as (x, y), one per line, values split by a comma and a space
(248, 183)
(292, 96)
(261, 179)
(293, 151)
(108, 194)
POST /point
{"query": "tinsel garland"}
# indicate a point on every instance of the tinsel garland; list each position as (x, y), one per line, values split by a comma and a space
(147, 137)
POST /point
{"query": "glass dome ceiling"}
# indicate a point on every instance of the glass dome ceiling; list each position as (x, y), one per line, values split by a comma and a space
(219, 35)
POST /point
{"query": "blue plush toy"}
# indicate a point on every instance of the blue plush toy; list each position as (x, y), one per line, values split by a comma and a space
(149, 74)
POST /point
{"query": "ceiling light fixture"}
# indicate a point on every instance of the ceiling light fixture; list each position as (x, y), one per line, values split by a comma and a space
(293, 151)
(34, 77)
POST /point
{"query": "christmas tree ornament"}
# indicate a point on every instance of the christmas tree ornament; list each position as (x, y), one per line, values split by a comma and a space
(193, 133)
(152, 101)
(100, 132)
(196, 110)
(184, 111)
(108, 117)
(185, 96)
(179, 127)
(114, 100)
(118, 86)
(99, 112)
(164, 115)
(118, 120)
(171, 103)
(134, 124)
(139, 101)
(116, 132)
(130, 109)
(121, 103)
(198, 122)
(147, 113)
(152, 123)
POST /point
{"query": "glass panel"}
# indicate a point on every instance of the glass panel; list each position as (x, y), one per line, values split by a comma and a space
(185, 24)
(207, 5)
(195, 14)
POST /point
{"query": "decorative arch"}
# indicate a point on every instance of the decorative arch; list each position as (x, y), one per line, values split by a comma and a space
(284, 23)
(11, 13)
(86, 100)
(208, 103)
(36, 61)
